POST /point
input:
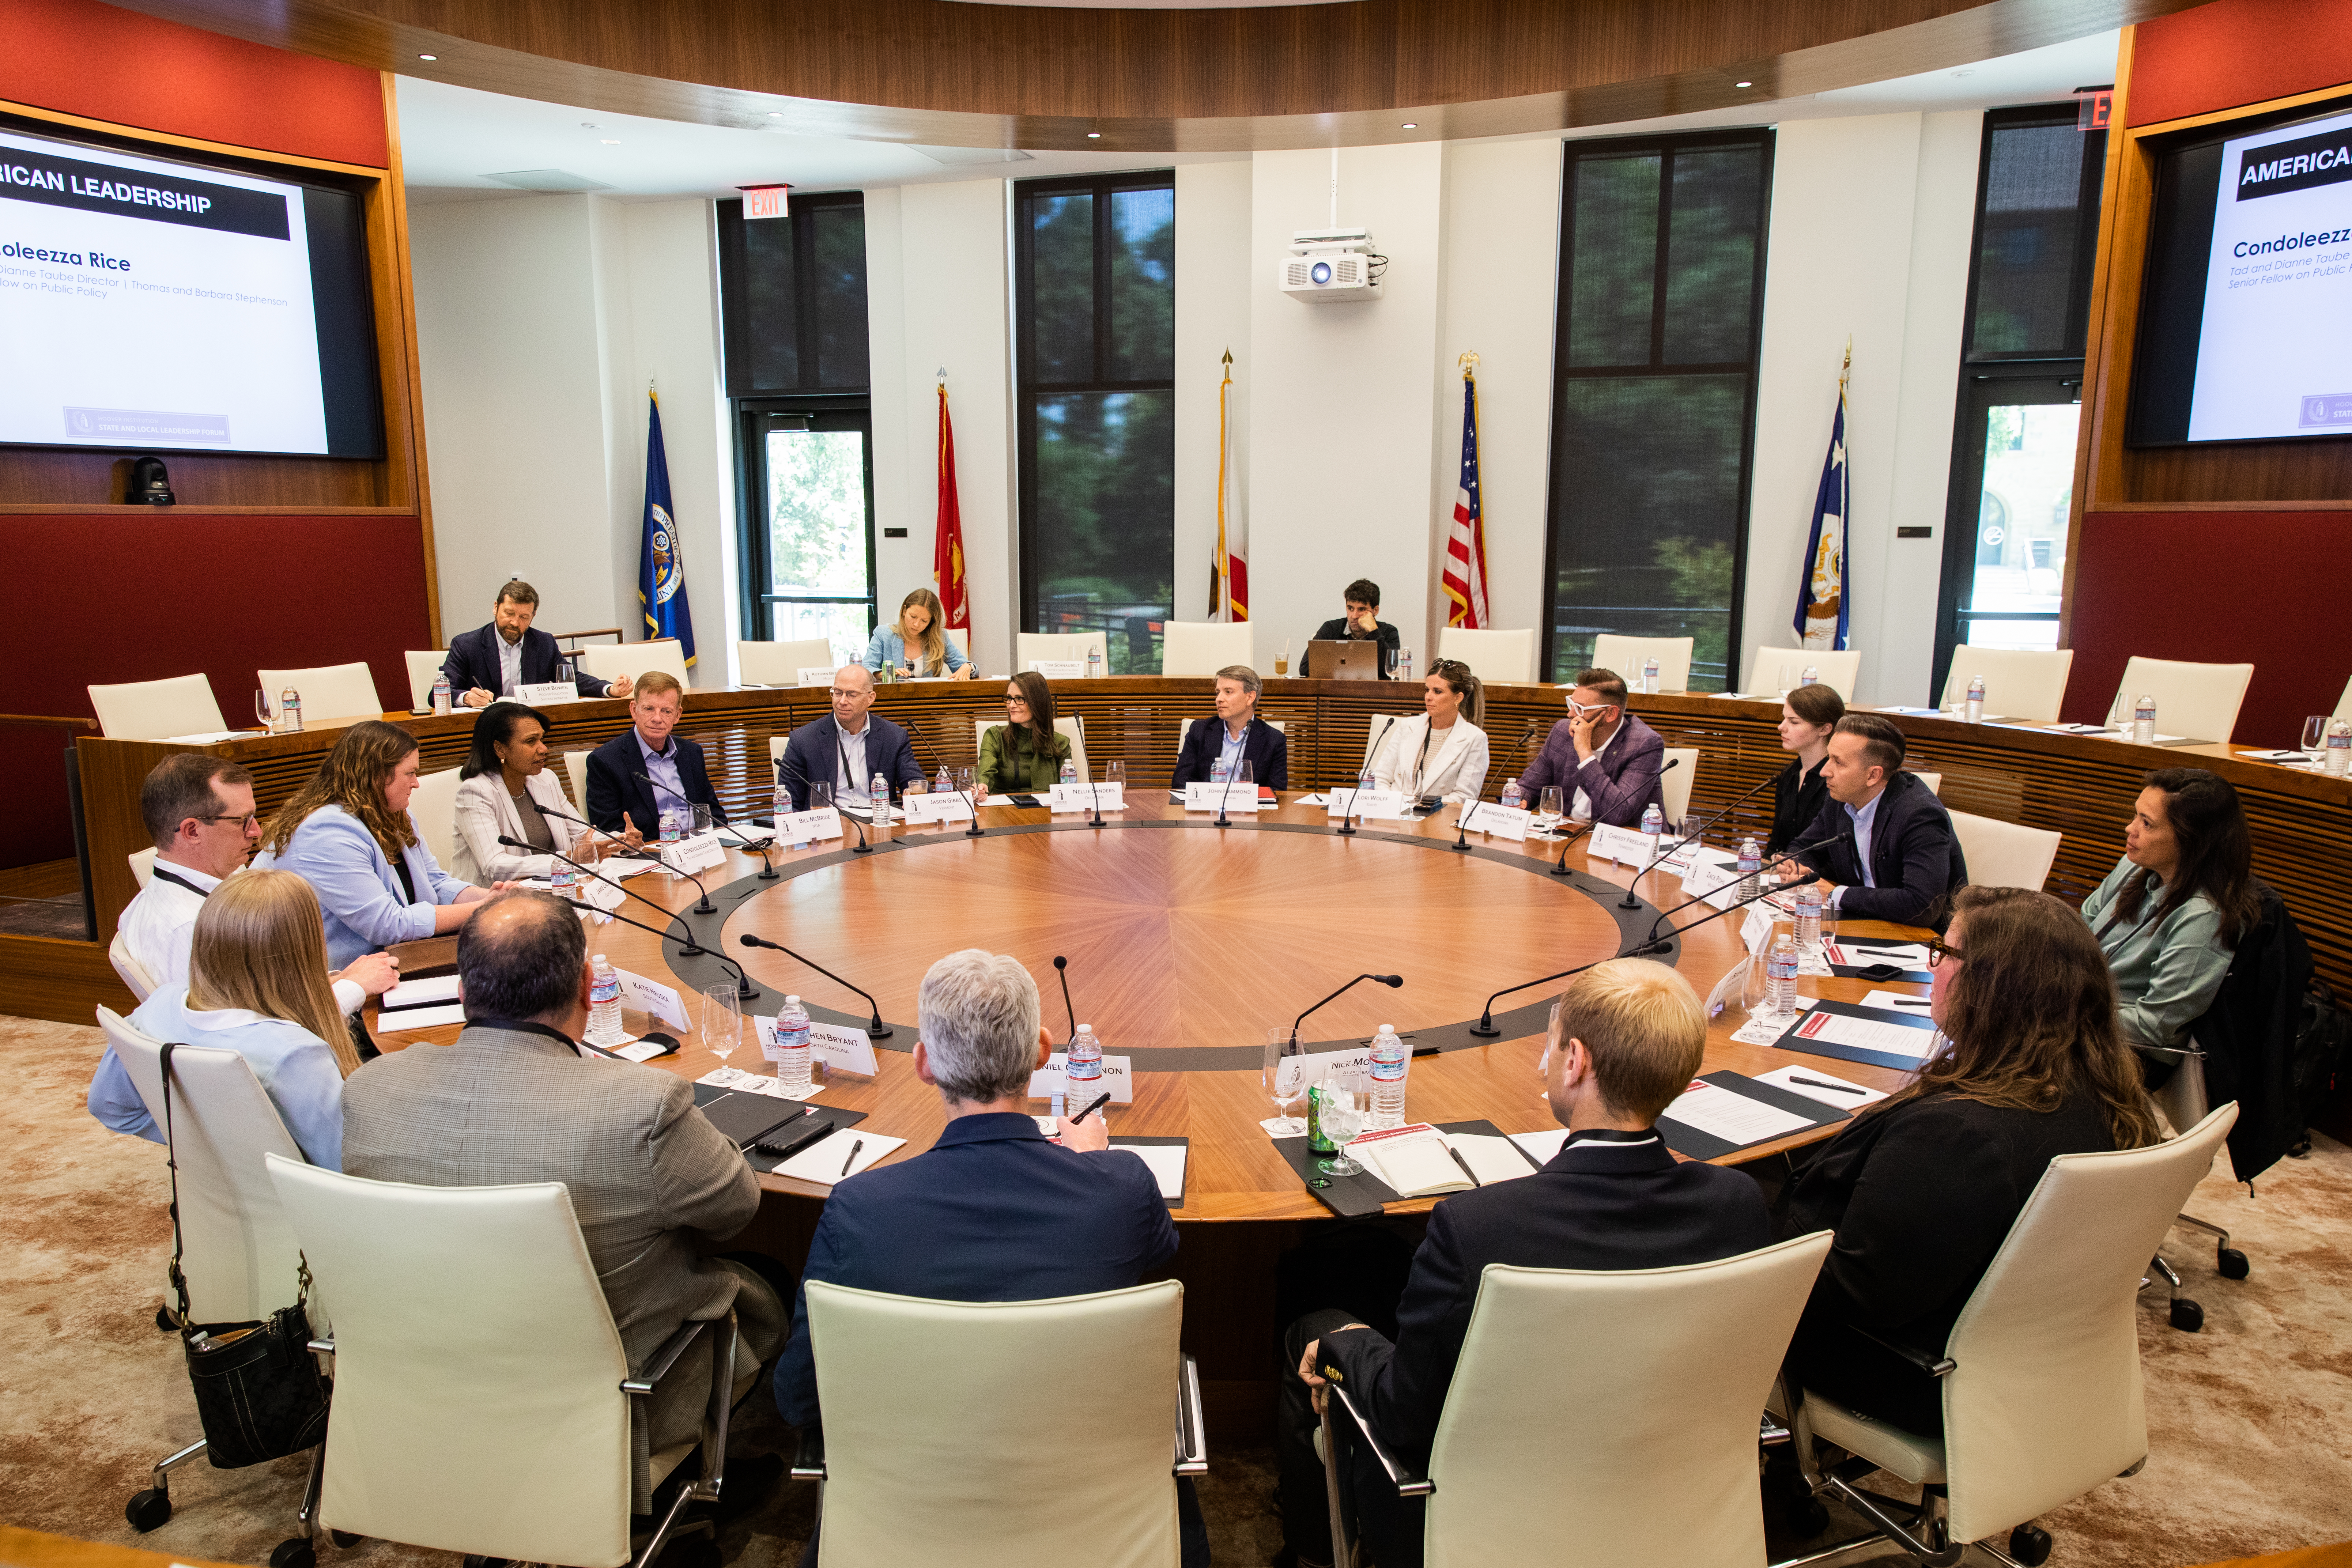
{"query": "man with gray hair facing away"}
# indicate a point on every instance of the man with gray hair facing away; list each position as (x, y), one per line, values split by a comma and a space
(995, 1210)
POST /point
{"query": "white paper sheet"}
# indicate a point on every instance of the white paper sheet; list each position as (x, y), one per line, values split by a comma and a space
(1891, 1039)
(1541, 1146)
(1903, 955)
(210, 736)
(1794, 1079)
(639, 1050)
(410, 1018)
(822, 1162)
(1762, 1031)
(1897, 1002)
(1737, 1119)
(746, 832)
(420, 993)
(1410, 1159)
(1166, 1160)
(1490, 1158)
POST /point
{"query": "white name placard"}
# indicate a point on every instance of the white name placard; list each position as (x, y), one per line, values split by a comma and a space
(651, 996)
(950, 807)
(1622, 845)
(695, 853)
(544, 692)
(1296, 1074)
(1047, 1081)
(839, 1048)
(1232, 798)
(809, 826)
(1502, 821)
(816, 674)
(1369, 803)
(1065, 797)
(1060, 669)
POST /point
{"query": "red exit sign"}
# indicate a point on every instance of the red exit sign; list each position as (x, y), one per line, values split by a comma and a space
(2092, 110)
(764, 201)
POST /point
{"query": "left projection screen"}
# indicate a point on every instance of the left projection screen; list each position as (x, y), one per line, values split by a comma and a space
(154, 305)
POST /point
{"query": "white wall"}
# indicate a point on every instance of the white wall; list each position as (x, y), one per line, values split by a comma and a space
(1215, 251)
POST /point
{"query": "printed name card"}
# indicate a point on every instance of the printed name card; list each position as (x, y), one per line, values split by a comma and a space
(1232, 798)
(1298, 1074)
(695, 853)
(840, 1050)
(1366, 804)
(651, 997)
(541, 693)
(948, 807)
(1047, 1081)
(1502, 821)
(1060, 669)
(816, 674)
(1065, 797)
(1623, 844)
(809, 826)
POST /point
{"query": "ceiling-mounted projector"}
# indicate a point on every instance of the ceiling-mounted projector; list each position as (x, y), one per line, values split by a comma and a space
(1331, 265)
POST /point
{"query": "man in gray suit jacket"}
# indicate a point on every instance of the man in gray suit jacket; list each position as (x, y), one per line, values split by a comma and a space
(514, 1100)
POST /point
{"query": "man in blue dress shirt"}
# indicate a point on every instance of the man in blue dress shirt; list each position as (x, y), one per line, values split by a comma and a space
(632, 778)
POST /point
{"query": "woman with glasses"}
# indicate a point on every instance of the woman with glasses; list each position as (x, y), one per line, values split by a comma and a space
(1922, 1186)
(349, 834)
(1441, 750)
(2170, 914)
(1808, 715)
(1025, 755)
(918, 646)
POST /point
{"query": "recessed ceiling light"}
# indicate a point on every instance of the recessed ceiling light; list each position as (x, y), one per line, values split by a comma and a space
(1409, 125)
(428, 57)
(1743, 84)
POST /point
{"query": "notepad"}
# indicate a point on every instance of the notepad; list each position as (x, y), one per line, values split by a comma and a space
(1491, 1159)
(1901, 954)
(821, 1163)
(1811, 1082)
(1821, 1026)
(1896, 1002)
(411, 1018)
(1413, 1160)
(419, 993)
(1167, 1158)
(1736, 1118)
(1542, 1146)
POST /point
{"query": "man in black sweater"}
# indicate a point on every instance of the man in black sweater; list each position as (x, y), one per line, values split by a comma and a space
(1362, 623)
(1627, 1038)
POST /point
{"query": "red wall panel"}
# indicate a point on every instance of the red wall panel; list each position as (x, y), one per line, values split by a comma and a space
(2223, 587)
(2236, 52)
(82, 58)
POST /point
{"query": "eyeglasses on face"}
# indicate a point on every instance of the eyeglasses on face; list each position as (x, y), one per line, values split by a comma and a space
(1939, 950)
(840, 695)
(242, 823)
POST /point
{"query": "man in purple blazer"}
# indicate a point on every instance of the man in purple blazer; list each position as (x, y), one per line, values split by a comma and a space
(1605, 761)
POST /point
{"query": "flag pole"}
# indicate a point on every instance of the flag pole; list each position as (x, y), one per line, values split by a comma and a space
(1220, 576)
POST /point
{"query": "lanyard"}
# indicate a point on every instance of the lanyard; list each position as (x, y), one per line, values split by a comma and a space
(163, 876)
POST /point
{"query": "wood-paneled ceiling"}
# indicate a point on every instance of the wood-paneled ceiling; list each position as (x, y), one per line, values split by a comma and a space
(945, 73)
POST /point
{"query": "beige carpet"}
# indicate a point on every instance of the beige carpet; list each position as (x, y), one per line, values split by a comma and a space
(2248, 1420)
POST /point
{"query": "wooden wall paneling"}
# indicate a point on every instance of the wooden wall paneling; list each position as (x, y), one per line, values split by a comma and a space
(112, 773)
(65, 982)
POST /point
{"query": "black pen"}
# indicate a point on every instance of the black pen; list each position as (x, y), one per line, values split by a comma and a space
(1465, 1165)
(854, 1151)
(1101, 1101)
(1825, 1083)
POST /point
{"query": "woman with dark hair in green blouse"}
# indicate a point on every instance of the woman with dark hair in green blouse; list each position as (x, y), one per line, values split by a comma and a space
(1023, 756)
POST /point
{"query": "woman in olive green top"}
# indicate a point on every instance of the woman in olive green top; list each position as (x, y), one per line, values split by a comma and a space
(1026, 754)
(2169, 915)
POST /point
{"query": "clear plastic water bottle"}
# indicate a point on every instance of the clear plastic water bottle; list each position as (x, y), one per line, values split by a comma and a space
(1094, 661)
(1781, 975)
(2144, 721)
(1654, 825)
(2339, 748)
(945, 783)
(603, 1003)
(1650, 676)
(1069, 769)
(1405, 664)
(562, 878)
(673, 825)
(1751, 866)
(441, 693)
(792, 1046)
(290, 712)
(1812, 673)
(1390, 1062)
(1973, 710)
(1513, 796)
(1809, 921)
(1082, 1070)
(780, 802)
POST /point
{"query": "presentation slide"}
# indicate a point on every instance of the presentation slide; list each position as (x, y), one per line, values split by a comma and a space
(149, 304)
(2275, 354)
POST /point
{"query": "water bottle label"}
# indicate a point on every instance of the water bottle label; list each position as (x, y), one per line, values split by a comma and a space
(1391, 1071)
(1781, 966)
(603, 992)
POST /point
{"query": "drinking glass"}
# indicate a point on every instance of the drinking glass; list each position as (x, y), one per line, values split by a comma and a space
(1553, 807)
(2314, 735)
(261, 707)
(820, 795)
(1115, 772)
(2120, 713)
(1285, 1091)
(965, 779)
(1246, 774)
(1788, 678)
(701, 820)
(1345, 1108)
(722, 1021)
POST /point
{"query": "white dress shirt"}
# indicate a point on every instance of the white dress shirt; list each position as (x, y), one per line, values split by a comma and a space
(1865, 821)
(159, 926)
(509, 664)
(849, 765)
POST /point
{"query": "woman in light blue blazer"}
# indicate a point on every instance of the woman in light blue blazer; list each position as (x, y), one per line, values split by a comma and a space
(256, 987)
(348, 833)
(919, 646)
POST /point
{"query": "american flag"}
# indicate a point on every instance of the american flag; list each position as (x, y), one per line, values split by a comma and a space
(1465, 547)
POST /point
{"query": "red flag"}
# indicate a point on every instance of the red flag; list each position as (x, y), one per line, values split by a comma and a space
(946, 559)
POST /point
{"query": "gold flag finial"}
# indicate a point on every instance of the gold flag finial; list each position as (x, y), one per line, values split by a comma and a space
(1229, 359)
(1468, 360)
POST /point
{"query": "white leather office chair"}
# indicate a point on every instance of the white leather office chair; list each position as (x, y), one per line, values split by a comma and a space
(330, 692)
(1624, 1400)
(1071, 646)
(2020, 683)
(961, 637)
(938, 1427)
(157, 710)
(575, 768)
(2040, 1376)
(501, 1430)
(142, 866)
(1204, 648)
(610, 661)
(2005, 854)
(1837, 670)
(1382, 724)
(2343, 703)
(1934, 780)
(238, 1253)
(1676, 783)
(1507, 655)
(425, 666)
(134, 973)
(2200, 702)
(435, 806)
(1071, 725)
(1627, 655)
(781, 663)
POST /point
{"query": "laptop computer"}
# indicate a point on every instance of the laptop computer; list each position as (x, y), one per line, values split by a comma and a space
(1343, 659)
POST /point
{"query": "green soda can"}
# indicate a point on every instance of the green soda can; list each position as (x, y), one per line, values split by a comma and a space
(1315, 1139)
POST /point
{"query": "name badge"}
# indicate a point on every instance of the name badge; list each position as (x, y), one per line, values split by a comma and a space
(1060, 669)
(1368, 802)
(1622, 845)
(948, 806)
(1047, 1081)
(1232, 798)
(1065, 797)
(1296, 1074)
(695, 853)
(840, 1049)
(817, 675)
(809, 826)
(1502, 821)
(541, 693)
(653, 997)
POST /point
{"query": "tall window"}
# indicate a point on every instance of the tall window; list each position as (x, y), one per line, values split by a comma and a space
(792, 319)
(1661, 304)
(2020, 406)
(1094, 302)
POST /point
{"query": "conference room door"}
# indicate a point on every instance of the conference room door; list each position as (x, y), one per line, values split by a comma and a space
(807, 478)
(2005, 526)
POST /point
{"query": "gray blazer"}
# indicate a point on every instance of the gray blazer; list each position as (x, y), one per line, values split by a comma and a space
(646, 1173)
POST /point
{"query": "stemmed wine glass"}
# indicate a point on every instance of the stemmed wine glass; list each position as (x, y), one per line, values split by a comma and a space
(1342, 1116)
(1551, 806)
(722, 1021)
(1284, 1078)
(2314, 737)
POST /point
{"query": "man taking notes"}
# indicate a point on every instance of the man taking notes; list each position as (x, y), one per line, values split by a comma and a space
(1607, 760)
(635, 777)
(1627, 1038)
(850, 747)
(496, 660)
(1215, 747)
(1897, 857)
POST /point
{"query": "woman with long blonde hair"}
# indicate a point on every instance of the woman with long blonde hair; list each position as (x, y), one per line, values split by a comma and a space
(256, 985)
(348, 833)
(918, 646)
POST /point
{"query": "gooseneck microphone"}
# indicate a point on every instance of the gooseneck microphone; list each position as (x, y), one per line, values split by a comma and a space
(744, 990)
(1391, 980)
(877, 1028)
(1629, 901)
(1062, 968)
(863, 847)
(1839, 837)
(702, 905)
(974, 831)
(690, 948)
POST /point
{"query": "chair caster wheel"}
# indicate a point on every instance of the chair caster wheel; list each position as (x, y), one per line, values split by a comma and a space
(2232, 1263)
(295, 1553)
(474, 1562)
(2029, 1545)
(148, 1510)
(163, 1320)
(2188, 1316)
(343, 1538)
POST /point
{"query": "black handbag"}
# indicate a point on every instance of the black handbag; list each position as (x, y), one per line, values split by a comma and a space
(260, 1393)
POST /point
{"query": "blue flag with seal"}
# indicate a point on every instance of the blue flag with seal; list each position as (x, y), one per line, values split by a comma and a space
(661, 566)
(1822, 607)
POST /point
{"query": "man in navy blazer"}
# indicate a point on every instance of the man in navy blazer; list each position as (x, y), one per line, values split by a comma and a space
(1605, 761)
(1235, 734)
(489, 662)
(1628, 1037)
(849, 746)
(620, 800)
(1883, 841)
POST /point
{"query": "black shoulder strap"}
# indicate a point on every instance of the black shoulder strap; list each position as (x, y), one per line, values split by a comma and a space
(171, 1158)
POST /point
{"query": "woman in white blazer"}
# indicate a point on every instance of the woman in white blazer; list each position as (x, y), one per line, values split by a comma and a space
(508, 789)
(1441, 750)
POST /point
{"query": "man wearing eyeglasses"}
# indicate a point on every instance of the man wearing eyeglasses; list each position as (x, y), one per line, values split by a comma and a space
(1606, 760)
(851, 747)
(199, 811)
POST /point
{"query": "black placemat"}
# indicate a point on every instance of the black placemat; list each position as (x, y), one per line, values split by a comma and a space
(1692, 1143)
(1349, 1197)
